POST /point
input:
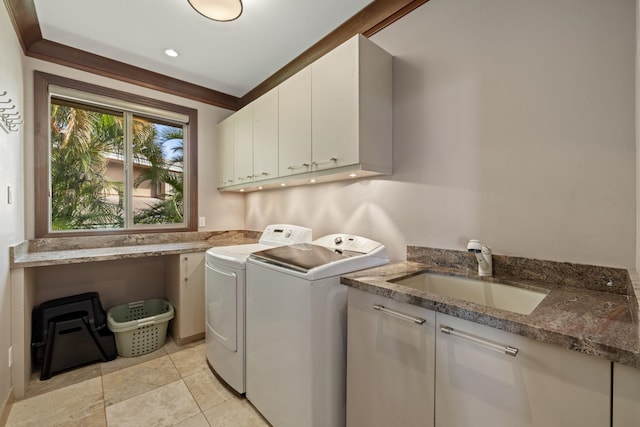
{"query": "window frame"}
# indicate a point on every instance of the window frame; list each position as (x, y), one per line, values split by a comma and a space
(42, 173)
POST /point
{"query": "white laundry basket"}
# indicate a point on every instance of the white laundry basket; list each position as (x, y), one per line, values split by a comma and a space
(140, 327)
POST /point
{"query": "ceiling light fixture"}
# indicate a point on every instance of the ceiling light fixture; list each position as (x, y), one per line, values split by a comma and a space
(218, 10)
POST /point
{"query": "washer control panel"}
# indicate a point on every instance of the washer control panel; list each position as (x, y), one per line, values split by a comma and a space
(348, 242)
(285, 234)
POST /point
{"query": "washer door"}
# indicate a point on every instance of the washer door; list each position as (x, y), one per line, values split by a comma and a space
(221, 290)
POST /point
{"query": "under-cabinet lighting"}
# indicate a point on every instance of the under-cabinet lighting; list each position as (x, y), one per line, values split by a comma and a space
(242, 190)
(283, 185)
(312, 180)
(260, 187)
(171, 52)
(353, 175)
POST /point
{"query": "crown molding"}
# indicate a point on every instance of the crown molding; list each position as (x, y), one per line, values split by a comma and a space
(370, 20)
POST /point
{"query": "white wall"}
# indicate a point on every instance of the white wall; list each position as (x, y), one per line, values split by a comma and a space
(513, 124)
(11, 170)
(223, 211)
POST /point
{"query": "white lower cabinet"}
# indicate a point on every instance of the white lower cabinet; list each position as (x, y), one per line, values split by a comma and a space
(400, 373)
(626, 396)
(184, 289)
(390, 362)
(543, 385)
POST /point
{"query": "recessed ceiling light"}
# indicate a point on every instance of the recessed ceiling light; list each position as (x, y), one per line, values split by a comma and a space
(171, 52)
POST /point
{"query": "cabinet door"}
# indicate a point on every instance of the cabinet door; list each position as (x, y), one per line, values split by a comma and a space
(243, 145)
(294, 122)
(265, 136)
(626, 396)
(334, 108)
(543, 385)
(225, 141)
(192, 301)
(390, 363)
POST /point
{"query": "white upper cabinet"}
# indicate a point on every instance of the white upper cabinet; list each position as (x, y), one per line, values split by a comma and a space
(243, 145)
(351, 106)
(225, 139)
(326, 122)
(294, 151)
(265, 136)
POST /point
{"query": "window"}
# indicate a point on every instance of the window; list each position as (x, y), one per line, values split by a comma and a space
(111, 162)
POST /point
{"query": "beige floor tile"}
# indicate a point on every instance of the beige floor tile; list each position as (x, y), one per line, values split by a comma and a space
(125, 362)
(198, 421)
(172, 347)
(190, 360)
(63, 379)
(78, 404)
(206, 389)
(138, 379)
(96, 419)
(234, 413)
(165, 406)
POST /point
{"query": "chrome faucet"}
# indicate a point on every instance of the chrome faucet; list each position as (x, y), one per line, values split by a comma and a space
(483, 255)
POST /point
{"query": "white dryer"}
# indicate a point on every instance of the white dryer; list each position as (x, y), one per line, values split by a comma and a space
(296, 328)
(225, 300)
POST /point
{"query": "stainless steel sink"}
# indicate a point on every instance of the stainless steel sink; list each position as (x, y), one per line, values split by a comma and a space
(497, 295)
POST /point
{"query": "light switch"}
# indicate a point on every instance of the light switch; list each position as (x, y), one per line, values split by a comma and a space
(202, 222)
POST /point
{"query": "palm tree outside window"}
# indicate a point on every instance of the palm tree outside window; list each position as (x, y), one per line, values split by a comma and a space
(116, 166)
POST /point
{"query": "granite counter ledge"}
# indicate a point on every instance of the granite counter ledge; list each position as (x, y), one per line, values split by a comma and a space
(73, 250)
(579, 319)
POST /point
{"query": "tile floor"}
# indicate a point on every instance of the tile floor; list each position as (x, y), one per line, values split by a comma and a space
(172, 386)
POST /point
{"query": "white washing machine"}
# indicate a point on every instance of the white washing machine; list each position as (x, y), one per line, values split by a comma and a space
(296, 328)
(225, 300)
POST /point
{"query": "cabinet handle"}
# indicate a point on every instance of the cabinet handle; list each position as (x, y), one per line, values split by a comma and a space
(382, 308)
(505, 349)
(265, 174)
(304, 165)
(333, 159)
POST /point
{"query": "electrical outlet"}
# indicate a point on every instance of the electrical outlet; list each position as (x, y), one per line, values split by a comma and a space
(202, 221)
(10, 356)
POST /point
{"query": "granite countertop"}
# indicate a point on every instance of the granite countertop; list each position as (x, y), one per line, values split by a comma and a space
(73, 250)
(590, 309)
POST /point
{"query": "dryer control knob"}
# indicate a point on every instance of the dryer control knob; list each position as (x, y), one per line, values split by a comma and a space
(287, 233)
(338, 240)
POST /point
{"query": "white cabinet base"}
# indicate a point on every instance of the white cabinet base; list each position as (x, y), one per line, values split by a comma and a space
(543, 386)
(390, 363)
(626, 396)
(184, 288)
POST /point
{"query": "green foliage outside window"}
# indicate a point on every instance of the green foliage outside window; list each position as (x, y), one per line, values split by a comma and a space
(87, 194)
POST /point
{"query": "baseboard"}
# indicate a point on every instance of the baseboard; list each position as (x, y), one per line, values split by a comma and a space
(6, 408)
(187, 340)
